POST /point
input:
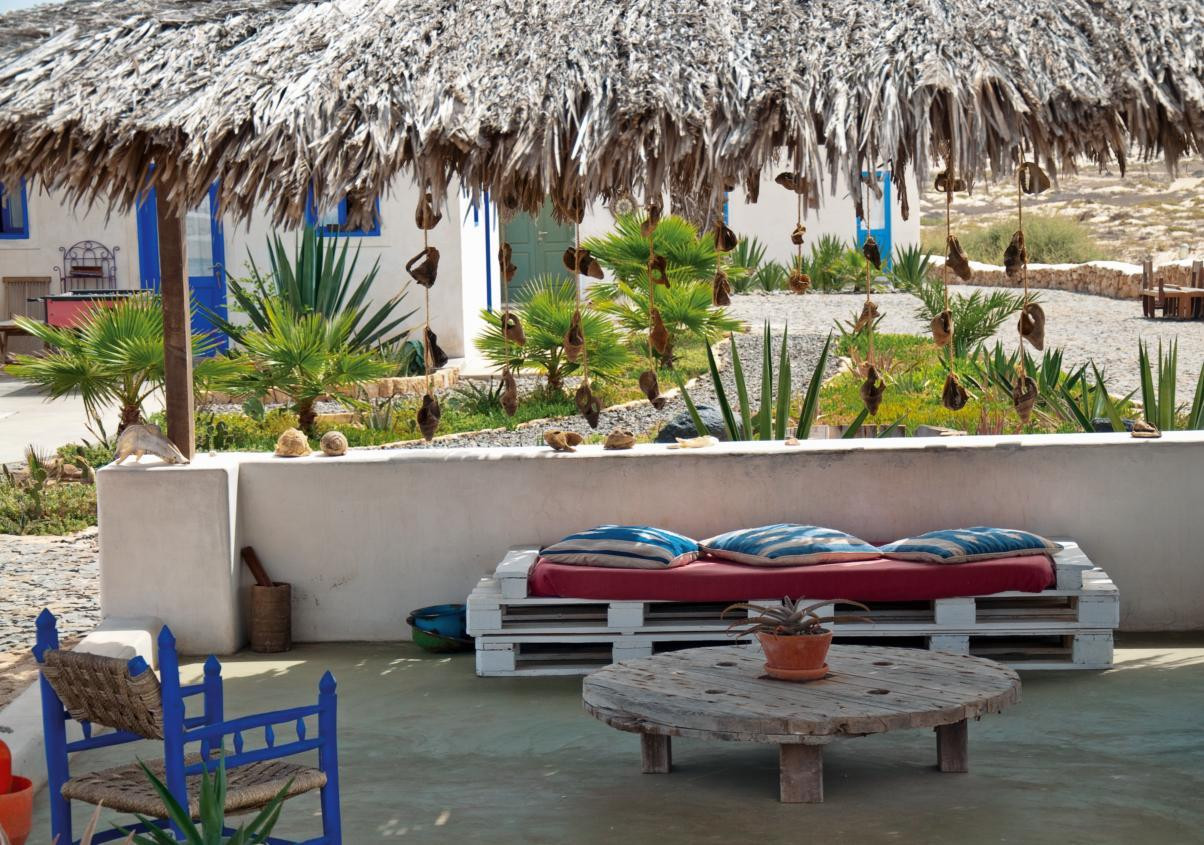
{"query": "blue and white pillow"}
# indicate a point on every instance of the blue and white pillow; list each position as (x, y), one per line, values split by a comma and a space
(787, 544)
(960, 545)
(623, 547)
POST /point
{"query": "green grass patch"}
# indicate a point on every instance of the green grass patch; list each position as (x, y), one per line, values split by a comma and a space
(1050, 240)
(56, 509)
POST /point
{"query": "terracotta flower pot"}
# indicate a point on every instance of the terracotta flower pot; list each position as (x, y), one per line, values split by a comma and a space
(16, 810)
(796, 658)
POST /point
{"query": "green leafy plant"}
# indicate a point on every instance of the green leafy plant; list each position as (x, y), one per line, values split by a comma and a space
(477, 397)
(685, 309)
(1048, 240)
(911, 267)
(115, 356)
(975, 317)
(210, 830)
(823, 263)
(748, 269)
(406, 356)
(771, 418)
(789, 619)
(546, 316)
(317, 277)
(33, 502)
(307, 357)
(1158, 390)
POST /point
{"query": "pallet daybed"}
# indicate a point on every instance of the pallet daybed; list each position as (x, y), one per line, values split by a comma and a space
(1066, 626)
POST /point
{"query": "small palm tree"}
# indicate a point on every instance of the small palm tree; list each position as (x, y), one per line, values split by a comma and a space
(306, 356)
(546, 316)
(114, 357)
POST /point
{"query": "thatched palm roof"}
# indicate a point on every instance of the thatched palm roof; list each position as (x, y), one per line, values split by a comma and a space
(529, 98)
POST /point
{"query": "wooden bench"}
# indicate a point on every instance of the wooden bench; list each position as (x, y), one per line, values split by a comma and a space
(1069, 626)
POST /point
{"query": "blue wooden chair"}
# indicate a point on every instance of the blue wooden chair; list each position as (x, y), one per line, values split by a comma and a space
(125, 695)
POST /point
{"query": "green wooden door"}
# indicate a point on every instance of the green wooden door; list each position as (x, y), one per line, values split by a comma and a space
(538, 244)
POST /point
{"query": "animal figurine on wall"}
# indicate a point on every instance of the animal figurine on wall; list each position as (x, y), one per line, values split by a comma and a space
(146, 439)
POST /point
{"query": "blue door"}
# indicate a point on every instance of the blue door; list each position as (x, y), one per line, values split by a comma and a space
(206, 259)
(879, 214)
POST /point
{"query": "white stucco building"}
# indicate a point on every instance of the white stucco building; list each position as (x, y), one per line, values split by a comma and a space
(37, 231)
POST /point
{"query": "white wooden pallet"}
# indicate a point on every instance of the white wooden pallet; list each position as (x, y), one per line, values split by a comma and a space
(1068, 626)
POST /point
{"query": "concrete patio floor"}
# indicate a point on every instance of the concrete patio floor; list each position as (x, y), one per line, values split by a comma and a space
(431, 753)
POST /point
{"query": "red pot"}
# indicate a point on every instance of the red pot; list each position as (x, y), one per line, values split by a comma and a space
(16, 810)
(792, 653)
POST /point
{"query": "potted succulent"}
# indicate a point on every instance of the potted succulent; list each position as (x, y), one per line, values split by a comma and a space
(792, 635)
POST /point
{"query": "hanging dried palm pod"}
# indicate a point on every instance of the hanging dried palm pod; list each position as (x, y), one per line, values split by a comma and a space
(434, 354)
(428, 416)
(1032, 325)
(1024, 397)
(958, 262)
(619, 438)
(562, 441)
(574, 340)
(425, 216)
(658, 270)
(872, 389)
(652, 220)
(796, 236)
(869, 313)
(949, 186)
(798, 281)
(588, 404)
(1033, 180)
(1015, 256)
(424, 267)
(509, 392)
(652, 389)
(512, 328)
(752, 186)
(871, 252)
(504, 256)
(581, 261)
(954, 396)
(725, 238)
(658, 335)
(721, 289)
(942, 328)
(792, 182)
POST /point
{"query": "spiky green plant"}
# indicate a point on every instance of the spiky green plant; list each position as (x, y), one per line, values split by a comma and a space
(306, 356)
(212, 824)
(822, 263)
(975, 317)
(317, 277)
(546, 316)
(748, 269)
(1158, 401)
(911, 266)
(115, 356)
(789, 619)
(771, 418)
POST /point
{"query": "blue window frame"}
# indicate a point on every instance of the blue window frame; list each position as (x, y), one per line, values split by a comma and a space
(334, 221)
(14, 213)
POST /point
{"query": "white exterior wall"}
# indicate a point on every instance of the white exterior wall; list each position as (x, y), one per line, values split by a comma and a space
(370, 536)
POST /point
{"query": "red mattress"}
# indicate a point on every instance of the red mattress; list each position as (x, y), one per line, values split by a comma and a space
(864, 580)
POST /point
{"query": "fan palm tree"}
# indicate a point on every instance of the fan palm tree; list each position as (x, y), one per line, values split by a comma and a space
(306, 356)
(115, 357)
(546, 316)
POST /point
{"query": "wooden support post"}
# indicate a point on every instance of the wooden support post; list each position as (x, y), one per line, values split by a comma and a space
(801, 773)
(952, 754)
(656, 753)
(177, 330)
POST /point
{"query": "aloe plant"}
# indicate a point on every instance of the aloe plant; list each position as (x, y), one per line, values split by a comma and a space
(771, 419)
(790, 619)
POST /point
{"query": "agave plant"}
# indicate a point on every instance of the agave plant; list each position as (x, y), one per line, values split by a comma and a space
(113, 357)
(748, 270)
(1158, 390)
(911, 266)
(316, 278)
(789, 619)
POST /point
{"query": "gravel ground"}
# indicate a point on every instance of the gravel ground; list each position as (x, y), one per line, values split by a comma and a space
(60, 573)
(641, 417)
(1085, 327)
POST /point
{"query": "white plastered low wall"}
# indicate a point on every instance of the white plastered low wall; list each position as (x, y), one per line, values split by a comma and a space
(367, 537)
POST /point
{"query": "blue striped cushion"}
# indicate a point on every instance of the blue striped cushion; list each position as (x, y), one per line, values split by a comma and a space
(624, 547)
(786, 544)
(959, 545)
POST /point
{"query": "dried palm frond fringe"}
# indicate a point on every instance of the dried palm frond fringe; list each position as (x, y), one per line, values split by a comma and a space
(238, 93)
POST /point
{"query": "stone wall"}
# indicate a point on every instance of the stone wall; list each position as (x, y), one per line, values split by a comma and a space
(1105, 278)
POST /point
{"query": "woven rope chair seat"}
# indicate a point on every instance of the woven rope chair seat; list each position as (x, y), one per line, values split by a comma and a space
(249, 787)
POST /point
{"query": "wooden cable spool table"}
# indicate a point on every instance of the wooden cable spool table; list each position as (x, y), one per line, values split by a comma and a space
(723, 693)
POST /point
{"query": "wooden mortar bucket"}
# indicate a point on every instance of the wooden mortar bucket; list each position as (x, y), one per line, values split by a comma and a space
(271, 618)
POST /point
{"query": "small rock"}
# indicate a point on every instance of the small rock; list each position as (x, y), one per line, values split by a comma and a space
(682, 426)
